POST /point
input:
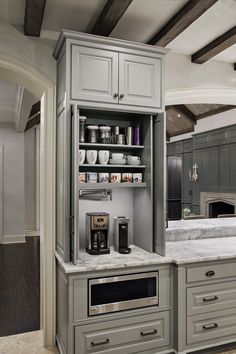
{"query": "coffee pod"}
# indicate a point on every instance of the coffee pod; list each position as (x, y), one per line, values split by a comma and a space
(92, 177)
(103, 177)
(137, 177)
(82, 177)
(115, 177)
(127, 177)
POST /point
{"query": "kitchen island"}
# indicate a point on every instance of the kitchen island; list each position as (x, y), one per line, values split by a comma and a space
(181, 230)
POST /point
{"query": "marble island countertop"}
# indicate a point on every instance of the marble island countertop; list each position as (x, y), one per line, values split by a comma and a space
(181, 252)
(181, 230)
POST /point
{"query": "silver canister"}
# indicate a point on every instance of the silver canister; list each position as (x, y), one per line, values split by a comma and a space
(121, 139)
(82, 120)
(129, 136)
(115, 130)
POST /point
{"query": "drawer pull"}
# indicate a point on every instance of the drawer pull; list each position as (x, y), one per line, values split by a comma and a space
(210, 273)
(101, 342)
(210, 326)
(210, 298)
(148, 333)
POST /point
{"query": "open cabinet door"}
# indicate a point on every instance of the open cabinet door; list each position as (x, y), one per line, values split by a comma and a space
(74, 185)
(159, 183)
(1, 193)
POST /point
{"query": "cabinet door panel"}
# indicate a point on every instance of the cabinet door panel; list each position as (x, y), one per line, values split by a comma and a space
(94, 75)
(139, 80)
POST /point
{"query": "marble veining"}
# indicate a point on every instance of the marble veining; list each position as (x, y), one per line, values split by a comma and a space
(181, 252)
(182, 230)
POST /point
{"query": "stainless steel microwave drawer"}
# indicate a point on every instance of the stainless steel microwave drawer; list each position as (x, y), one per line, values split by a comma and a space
(132, 335)
(211, 326)
(214, 297)
(211, 272)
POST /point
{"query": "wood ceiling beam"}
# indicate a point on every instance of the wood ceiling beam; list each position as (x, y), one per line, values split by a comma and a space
(34, 11)
(235, 66)
(182, 109)
(215, 111)
(182, 20)
(215, 47)
(110, 16)
(167, 136)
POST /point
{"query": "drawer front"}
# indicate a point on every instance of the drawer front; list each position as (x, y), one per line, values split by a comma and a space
(211, 272)
(137, 335)
(211, 327)
(212, 297)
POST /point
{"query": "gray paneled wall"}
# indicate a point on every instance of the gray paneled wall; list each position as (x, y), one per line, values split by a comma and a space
(214, 152)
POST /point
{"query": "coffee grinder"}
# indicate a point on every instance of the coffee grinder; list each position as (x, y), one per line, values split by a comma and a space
(97, 233)
(121, 234)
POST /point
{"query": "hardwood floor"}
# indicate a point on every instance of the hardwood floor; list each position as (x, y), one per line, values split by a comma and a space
(20, 287)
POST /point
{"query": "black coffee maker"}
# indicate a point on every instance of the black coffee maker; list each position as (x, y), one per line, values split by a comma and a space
(121, 234)
(97, 233)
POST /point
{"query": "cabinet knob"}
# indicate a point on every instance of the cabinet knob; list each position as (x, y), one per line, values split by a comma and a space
(121, 96)
(115, 95)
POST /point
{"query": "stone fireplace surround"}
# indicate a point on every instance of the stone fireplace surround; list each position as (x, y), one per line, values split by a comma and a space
(210, 197)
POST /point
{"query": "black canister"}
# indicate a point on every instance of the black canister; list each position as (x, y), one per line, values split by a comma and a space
(82, 120)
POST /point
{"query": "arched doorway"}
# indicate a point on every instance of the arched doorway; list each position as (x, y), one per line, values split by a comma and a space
(18, 72)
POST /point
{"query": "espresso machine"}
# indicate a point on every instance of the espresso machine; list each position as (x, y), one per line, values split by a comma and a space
(97, 233)
(121, 234)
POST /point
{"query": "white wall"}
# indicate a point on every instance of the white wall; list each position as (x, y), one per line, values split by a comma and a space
(30, 179)
(181, 73)
(13, 184)
(216, 121)
(34, 51)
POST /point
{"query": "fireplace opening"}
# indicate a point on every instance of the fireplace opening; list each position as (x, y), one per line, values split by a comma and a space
(218, 208)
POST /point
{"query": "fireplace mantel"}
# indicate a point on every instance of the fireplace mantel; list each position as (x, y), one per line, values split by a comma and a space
(209, 197)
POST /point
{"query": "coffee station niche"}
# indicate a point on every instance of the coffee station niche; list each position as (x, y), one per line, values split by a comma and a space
(110, 146)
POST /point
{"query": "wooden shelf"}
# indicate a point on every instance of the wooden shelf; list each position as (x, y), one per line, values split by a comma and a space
(113, 166)
(111, 146)
(111, 185)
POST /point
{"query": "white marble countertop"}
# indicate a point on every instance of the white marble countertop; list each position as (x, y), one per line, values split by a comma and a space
(181, 230)
(181, 252)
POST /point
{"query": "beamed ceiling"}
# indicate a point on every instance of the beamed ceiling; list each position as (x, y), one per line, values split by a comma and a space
(181, 119)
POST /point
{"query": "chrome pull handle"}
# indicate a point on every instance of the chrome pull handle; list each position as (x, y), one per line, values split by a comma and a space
(101, 342)
(121, 96)
(210, 273)
(148, 333)
(210, 298)
(115, 95)
(210, 326)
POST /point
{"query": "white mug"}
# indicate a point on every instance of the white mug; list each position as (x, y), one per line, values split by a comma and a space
(81, 157)
(91, 156)
(103, 157)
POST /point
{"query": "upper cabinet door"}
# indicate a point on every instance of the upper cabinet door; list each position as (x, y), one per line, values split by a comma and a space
(139, 80)
(94, 75)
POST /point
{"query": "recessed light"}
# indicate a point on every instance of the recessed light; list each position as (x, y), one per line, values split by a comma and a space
(178, 115)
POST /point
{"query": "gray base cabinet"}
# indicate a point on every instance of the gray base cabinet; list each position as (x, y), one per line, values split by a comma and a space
(142, 330)
(138, 334)
(205, 304)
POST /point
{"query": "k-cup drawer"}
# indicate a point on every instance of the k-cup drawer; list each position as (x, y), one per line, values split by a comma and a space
(211, 326)
(138, 335)
(211, 272)
(214, 297)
